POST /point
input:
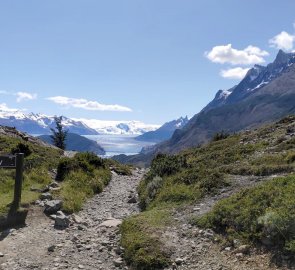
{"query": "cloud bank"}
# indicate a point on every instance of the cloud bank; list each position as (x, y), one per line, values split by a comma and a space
(85, 104)
(227, 54)
(283, 40)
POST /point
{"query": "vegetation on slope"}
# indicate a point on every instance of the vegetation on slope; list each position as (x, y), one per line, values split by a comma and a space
(264, 214)
(38, 160)
(83, 175)
(80, 177)
(185, 178)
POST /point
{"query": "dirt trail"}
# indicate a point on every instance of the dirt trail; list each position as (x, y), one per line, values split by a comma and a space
(84, 245)
(89, 245)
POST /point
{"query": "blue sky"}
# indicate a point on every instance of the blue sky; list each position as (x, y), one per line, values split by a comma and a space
(148, 60)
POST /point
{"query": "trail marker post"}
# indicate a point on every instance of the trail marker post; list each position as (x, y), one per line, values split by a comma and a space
(15, 162)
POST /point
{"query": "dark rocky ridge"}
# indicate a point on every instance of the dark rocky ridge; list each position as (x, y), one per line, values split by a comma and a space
(75, 142)
(265, 94)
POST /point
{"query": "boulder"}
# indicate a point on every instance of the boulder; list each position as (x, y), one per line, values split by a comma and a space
(51, 207)
(61, 220)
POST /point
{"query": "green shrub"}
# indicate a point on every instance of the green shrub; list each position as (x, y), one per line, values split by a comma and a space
(87, 162)
(140, 239)
(22, 148)
(220, 136)
(254, 214)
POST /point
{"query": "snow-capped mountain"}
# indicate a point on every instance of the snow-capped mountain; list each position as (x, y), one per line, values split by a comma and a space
(118, 127)
(256, 78)
(34, 123)
(164, 132)
(37, 123)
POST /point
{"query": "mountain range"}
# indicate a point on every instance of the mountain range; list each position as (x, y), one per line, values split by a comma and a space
(164, 132)
(36, 123)
(265, 94)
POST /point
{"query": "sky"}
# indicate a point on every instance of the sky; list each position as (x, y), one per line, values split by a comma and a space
(146, 60)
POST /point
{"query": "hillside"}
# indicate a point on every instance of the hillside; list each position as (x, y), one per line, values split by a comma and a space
(164, 132)
(75, 142)
(265, 94)
(180, 191)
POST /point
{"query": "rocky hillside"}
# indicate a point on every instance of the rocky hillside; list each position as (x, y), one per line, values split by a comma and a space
(164, 132)
(75, 142)
(264, 95)
(182, 192)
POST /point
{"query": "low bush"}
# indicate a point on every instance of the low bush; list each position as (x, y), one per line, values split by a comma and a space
(256, 214)
(86, 162)
(141, 240)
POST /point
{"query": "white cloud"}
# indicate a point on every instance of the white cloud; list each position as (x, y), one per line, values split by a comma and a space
(87, 104)
(234, 73)
(284, 41)
(23, 96)
(3, 92)
(227, 54)
(4, 107)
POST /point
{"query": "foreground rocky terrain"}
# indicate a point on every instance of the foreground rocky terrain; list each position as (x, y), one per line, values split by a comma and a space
(91, 241)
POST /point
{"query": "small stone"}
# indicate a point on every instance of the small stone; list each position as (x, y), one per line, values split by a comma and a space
(227, 249)
(1, 255)
(51, 248)
(45, 196)
(77, 219)
(132, 200)
(111, 223)
(118, 262)
(179, 261)
(244, 249)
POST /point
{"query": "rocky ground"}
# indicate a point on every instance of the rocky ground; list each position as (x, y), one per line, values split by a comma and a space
(92, 240)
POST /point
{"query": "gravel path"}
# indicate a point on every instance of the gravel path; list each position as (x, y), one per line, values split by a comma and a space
(90, 243)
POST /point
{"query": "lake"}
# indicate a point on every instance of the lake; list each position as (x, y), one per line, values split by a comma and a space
(119, 144)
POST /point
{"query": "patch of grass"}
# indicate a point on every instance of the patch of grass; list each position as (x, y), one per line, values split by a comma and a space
(83, 175)
(255, 214)
(38, 160)
(119, 168)
(141, 240)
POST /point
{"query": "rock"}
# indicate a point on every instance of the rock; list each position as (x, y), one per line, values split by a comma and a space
(118, 262)
(45, 196)
(244, 249)
(111, 223)
(239, 255)
(80, 266)
(227, 249)
(51, 207)
(77, 219)
(1, 255)
(174, 266)
(179, 261)
(61, 220)
(132, 200)
(51, 248)
(54, 185)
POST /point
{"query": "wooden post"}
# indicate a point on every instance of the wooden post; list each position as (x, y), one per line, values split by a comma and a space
(18, 180)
